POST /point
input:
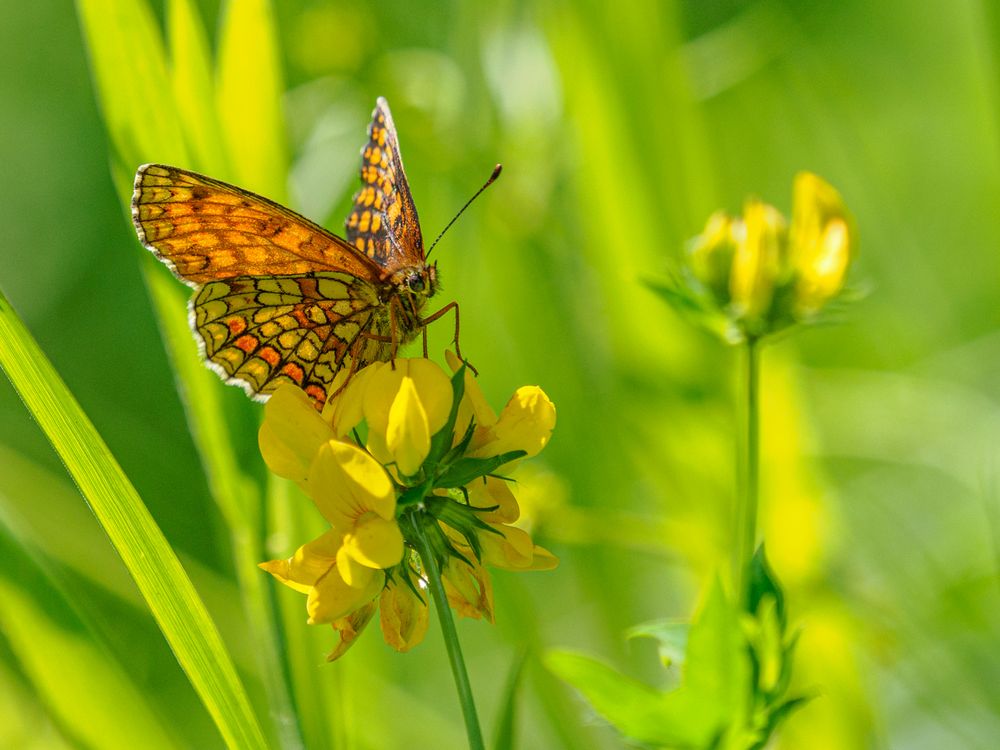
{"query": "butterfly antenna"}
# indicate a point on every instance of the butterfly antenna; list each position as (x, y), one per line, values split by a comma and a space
(493, 178)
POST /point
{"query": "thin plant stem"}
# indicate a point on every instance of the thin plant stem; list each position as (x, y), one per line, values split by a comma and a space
(450, 633)
(747, 512)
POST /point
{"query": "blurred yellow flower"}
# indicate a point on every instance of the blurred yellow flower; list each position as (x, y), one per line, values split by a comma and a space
(427, 465)
(763, 276)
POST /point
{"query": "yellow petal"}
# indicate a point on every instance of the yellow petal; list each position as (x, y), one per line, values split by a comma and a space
(403, 616)
(332, 597)
(711, 254)
(310, 562)
(407, 434)
(292, 433)
(375, 543)
(350, 627)
(491, 492)
(822, 242)
(510, 548)
(760, 260)
(434, 387)
(355, 573)
(469, 589)
(344, 411)
(379, 393)
(542, 559)
(525, 423)
(824, 277)
(345, 483)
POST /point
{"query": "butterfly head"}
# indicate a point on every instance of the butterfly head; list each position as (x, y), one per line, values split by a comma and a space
(420, 281)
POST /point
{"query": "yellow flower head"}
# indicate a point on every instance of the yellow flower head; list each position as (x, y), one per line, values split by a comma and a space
(762, 276)
(428, 459)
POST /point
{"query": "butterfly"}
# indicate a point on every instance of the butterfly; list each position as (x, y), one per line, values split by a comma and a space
(278, 298)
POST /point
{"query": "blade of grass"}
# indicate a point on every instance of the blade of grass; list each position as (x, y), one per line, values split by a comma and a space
(85, 688)
(194, 87)
(250, 90)
(166, 588)
(129, 67)
(506, 722)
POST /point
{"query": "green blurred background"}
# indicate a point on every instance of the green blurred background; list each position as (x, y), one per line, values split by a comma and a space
(621, 127)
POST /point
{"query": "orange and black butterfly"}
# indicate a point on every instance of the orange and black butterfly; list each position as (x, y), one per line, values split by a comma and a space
(278, 298)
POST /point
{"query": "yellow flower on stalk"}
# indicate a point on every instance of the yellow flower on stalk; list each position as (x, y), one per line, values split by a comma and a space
(762, 276)
(426, 468)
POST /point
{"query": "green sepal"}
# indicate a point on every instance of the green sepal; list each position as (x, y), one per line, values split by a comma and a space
(762, 582)
(464, 470)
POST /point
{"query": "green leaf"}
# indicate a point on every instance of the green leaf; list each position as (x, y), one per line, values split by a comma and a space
(82, 684)
(194, 89)
(691, 307)
(465, 470)
(635, 709)
(712, 702)
(675, 294)
(671, 637)
(506, 725)
(716, 688)
(130, 72)
(140, 543)
(250, 91)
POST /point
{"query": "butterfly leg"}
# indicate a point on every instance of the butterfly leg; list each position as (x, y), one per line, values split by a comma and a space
(440, 314)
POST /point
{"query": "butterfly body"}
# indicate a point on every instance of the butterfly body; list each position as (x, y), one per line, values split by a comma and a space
(278, 298)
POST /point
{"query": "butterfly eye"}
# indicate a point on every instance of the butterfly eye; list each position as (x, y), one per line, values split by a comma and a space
(415, 283)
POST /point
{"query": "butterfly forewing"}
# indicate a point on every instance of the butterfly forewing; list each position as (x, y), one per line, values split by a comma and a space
(206, 230)
(383, 221)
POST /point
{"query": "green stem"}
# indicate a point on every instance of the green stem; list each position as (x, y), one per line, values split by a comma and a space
(450, 634)
(747, 518)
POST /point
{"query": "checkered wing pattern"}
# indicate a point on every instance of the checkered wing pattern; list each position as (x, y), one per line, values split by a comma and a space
(383, 223)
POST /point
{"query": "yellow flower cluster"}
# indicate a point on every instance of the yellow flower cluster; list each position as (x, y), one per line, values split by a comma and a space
(766, 276)
(427, 463)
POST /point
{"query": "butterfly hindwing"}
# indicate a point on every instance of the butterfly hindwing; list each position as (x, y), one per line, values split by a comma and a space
(383, 221)
(261, 331)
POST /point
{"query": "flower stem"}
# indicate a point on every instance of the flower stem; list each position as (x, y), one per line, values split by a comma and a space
(450, 634)
(747, 512)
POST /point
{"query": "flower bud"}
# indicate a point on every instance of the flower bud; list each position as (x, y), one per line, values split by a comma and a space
(822, 240)
(711, 254)
(759, 265)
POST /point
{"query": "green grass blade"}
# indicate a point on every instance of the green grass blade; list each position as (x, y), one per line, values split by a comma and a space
(85, 688)
(194, 88)
(169, 593)
(129, 67)
(504, 734)
(250, 89)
